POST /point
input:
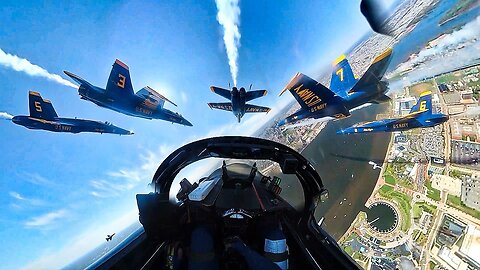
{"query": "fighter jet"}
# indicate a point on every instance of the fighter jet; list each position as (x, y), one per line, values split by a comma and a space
(238, 100)
(420, 116)
(119, 96)
(346, 93)
(109, 237)
(43, 116)
(256, 225)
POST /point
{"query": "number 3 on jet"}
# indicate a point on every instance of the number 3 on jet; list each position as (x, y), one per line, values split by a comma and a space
(121, 81)
(340, 73)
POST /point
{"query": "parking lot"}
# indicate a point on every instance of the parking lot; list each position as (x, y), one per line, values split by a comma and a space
(466, 153)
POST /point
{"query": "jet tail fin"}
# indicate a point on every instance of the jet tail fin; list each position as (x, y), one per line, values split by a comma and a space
(39, 107)
(342, 77)
(119, 83)
(374, 73)
(310, 94)
(424, 103)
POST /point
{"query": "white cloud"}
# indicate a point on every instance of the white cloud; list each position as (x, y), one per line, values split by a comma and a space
(125, 179)
(36, 179)
(184, 97)
(16, 195)
(45, 220)
(21, 198)
(23, 65)
(82, 243)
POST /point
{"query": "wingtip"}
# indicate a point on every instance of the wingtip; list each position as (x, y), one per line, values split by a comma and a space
(212, 88)
(425, 93)
(290, 83)
(34, 93)
(117, 61)
(338, 60)
(383, 55)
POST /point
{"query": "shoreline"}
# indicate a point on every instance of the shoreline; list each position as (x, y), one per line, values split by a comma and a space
(380, 182)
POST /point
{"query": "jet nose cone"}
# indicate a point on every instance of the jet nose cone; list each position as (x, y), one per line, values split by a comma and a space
(185, 122)
(341, 131)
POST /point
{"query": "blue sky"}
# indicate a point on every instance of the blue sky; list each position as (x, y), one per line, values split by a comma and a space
(60, 194)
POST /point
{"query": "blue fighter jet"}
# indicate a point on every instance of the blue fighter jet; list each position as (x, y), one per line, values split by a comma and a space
(43, 116)
(119, 96)
(420, 116)
(346, 93)
(238, 99)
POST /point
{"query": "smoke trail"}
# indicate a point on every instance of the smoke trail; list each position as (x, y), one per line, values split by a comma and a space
(229, 17)
(20, 64)
(6, 116)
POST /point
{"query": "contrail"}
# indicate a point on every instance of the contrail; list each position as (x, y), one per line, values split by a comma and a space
(229, 17)
(20, 64)
(6, 116)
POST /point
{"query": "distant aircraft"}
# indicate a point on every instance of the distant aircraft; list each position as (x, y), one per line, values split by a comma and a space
(347, 93)
(420, 116)
(119, 96)
(109, 237)
(238, 99)
(43, 116)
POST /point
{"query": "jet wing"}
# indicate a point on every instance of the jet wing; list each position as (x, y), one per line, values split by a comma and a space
(227, 106)
(148, 93)
(254, 109)
(255, 94)
(310, 94)
(221, 92)
(375, 72)
(77, 78)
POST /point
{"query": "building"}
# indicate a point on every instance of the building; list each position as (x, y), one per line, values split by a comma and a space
(401, 138)
(466, 97)
(470, 248)
(443, 88)
(463, 130)
(471, 191)
(404, 105)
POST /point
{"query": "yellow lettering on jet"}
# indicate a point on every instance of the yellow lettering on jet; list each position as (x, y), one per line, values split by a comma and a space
(340, 73)
(38, 107)
(400, 125)
(423, 105)
(143, 110)
(121, 81)
(307, 96)
(318, 107)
